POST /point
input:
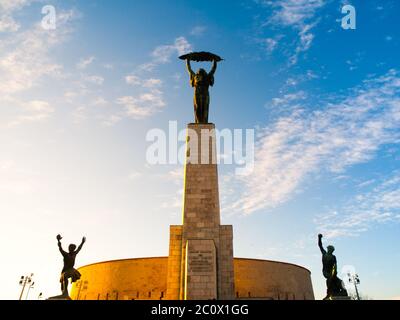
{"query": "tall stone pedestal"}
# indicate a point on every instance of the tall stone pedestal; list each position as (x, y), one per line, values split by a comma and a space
(200, 263)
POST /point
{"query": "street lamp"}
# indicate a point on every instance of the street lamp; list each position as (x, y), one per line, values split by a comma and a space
(25, 280)
(31, 286)
(353, 278)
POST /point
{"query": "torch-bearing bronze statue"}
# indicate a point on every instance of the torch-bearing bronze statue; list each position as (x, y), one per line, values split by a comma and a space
(201, 81)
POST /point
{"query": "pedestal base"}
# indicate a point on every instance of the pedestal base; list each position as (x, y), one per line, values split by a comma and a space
(340, 298)
(60, 297)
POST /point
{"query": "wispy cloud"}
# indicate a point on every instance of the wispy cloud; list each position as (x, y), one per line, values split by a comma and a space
(32, 111)
(381, 205)
(143, 105)
(288, 99)
(145, 83)
(298, 15)
(7, 8)
(151, 100)
(25, 59)
(270, 44)
(85, 62)
(198, 31)
(294, 12)
(163, 53)
(94, 79)
(330, 138)
(110, 120)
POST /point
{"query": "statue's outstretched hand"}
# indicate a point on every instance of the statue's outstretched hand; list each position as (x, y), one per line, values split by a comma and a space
(83, 239)
(320, 236)
(59, 237)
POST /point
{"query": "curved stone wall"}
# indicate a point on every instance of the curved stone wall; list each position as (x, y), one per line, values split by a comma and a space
(146, 279)
(264, 279)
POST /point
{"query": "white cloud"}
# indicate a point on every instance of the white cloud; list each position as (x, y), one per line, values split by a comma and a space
(330, 138)
(151, 83)
(8, 24)
(381, 205)
(198, 30)
(25, 58)
(146, 83)
(84, 63)
(298, 79)
(7, 8)
(148, 103)
(163, 54)
(298, 15)
(110, 120)
(143, 105)
(133, 80)
(39, 106)
(99, 101)
(366, 183)
(13, 5)
(288, 99)
(294, 12)
(271, 45)
(33, 111)
(94, 79)
(148, 66)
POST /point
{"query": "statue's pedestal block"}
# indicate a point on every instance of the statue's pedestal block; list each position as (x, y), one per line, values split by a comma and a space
(200, 263)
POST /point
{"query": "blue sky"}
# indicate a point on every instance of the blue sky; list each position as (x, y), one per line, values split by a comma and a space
(77, 102)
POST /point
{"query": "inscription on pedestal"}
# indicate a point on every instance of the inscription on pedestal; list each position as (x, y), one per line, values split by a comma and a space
(201, 270)
(201, 261)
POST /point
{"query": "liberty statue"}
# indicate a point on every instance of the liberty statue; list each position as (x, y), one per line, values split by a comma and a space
(201, 81)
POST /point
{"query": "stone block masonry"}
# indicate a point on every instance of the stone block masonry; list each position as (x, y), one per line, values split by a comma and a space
(200, 263)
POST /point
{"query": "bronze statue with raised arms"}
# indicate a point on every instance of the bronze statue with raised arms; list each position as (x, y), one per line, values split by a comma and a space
(201, 81)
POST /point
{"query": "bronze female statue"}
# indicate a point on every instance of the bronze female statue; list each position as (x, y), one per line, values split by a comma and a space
(201, 81)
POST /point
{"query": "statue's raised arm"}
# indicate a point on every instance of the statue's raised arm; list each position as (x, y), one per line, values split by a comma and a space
(214, 68)
(60, 246)
(189, 68)
(81, 245)
(323, 251)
